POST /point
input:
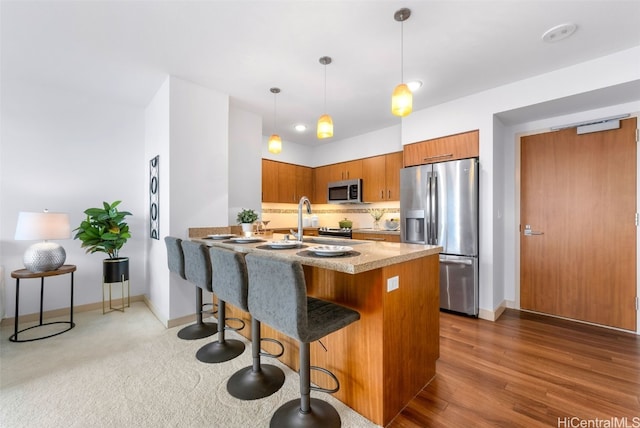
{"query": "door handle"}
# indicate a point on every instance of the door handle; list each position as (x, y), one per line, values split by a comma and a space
(529, 232)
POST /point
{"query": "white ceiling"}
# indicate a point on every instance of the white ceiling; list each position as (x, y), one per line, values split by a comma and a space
(123, 50)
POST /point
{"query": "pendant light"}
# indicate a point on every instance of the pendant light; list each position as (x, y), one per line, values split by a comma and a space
(325, 123)
(402, 98)
(275, 142)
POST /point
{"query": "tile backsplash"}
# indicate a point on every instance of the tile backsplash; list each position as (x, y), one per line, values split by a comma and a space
(286, 215)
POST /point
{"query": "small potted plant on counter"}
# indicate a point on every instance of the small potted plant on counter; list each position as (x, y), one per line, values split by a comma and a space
(105, 231)
(246, 218)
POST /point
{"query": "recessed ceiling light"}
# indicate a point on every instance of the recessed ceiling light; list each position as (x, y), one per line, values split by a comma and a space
(414, 85)
(300, 127)
(559, 32)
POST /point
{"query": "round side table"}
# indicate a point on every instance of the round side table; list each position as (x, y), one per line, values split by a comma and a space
(25, 274)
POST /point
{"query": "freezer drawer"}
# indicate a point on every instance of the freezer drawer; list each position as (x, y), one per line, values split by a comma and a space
(459, 284)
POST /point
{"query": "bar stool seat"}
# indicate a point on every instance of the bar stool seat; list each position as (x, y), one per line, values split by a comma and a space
(278, 297)
(197, 270)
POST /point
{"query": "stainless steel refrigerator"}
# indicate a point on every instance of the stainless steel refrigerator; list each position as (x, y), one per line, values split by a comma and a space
(439, 206)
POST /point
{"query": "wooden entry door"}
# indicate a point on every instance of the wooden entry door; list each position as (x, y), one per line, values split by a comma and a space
(578, 195)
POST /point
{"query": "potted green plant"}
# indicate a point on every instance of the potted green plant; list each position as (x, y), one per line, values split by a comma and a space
(246, 218)
(105, 231)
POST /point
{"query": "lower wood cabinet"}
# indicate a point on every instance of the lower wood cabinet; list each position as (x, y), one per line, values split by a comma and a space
(373, 236)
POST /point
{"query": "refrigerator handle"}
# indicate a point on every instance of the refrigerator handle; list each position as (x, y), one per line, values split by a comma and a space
(456, 262)
(429, 216)
(434, 212)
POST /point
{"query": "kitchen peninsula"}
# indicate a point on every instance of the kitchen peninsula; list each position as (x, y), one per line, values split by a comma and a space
(389, 355)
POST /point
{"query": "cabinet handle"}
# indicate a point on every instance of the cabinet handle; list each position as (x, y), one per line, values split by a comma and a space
(347, 175)
(382, 194)
(376, 239)
(389, 194)
(448, 155)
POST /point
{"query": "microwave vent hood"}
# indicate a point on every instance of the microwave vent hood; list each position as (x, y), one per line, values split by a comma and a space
(345, 192)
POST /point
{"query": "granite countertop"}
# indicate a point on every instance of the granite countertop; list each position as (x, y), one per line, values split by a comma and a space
(366, 255)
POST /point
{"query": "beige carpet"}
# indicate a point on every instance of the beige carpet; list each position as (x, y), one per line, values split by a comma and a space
(127, 370)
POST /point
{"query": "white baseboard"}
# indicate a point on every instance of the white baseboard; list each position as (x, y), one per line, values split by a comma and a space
(493, 315)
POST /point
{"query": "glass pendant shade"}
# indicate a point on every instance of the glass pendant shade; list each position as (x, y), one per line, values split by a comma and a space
(325, 126)
(275, 144)
(401, 101)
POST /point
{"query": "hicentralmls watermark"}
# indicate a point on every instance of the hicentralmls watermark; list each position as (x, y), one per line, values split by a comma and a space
(613, 422)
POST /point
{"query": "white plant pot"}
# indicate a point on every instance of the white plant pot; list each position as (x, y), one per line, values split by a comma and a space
(247, 228)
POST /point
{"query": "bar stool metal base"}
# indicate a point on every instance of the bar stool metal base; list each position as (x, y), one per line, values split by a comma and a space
(249, 384)
(198, 331)
(322, 415)
(218, 352)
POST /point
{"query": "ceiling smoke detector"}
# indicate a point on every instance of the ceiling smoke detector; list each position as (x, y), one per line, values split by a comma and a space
(559, 32)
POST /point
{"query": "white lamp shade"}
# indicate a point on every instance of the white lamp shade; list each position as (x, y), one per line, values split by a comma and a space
(42, 226)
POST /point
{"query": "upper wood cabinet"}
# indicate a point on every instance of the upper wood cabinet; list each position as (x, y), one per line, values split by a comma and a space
(345, 170)
(323, 175)
(459, 146)
(285, 182)
(269, 181)
(381, 177)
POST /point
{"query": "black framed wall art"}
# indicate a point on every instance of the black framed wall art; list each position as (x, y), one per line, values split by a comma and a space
(154, 198)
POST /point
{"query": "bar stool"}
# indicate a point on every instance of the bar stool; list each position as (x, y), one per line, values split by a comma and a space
(197, 270)
(278, 297)
(230, 283)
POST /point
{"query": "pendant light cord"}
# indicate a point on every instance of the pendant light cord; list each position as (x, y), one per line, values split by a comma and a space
(401, 51)
(325, 89)
(275, 113)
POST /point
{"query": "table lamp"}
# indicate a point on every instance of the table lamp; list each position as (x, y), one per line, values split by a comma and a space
(43, 256)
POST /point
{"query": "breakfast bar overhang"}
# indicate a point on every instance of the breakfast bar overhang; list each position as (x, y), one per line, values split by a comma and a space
(388, 356)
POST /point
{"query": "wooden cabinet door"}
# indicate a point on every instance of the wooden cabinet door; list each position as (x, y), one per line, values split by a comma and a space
(384, 237)
(286, 182)
(322, 177)
(269, 181)
(304, 182)
(373, 179)
(393, 165)
(459, 146)
(352, 169)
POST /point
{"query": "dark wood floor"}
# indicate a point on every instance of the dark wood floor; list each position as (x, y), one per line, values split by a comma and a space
(528, 370)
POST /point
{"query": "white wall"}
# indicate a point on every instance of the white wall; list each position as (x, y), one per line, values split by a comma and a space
(245, 171)
(198, 176)
(68, 152)
(382, 141)
(158, 142)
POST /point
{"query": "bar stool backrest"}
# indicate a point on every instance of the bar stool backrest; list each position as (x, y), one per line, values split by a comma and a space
(175, 256)
(230, 281)
(278, 294)
(197, 264)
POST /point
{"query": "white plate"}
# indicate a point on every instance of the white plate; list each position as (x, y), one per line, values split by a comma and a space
(283, 244)
(246, 240)
(221, 236)
(330, 250)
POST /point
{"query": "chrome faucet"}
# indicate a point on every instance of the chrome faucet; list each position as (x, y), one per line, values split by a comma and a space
(303, 201)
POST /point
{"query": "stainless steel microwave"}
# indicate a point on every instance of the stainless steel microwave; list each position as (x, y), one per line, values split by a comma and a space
(345, 192)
